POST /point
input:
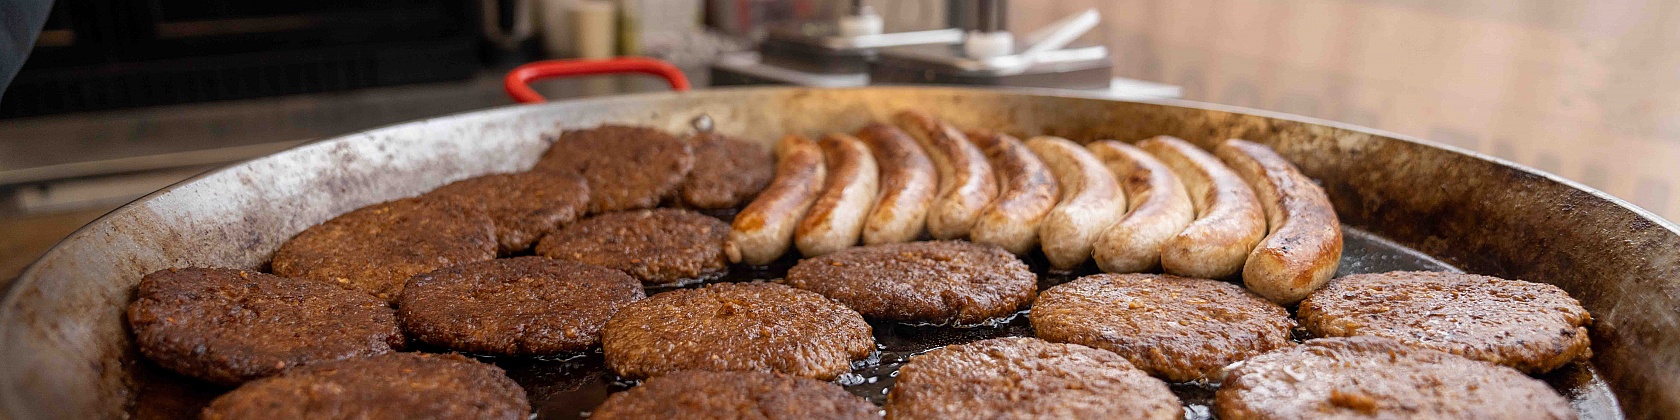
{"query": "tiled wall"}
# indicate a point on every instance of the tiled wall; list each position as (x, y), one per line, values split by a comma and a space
(1589, 90)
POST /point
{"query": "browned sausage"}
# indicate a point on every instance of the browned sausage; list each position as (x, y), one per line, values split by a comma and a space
(836, 219)
(1091, 201)
(966, 183)
(1160, 208)
(1228, 222)
(763, 230)
(1026, 193)
(1304, 245)
(907, 184)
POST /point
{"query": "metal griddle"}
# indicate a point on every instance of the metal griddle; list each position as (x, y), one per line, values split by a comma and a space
(1406, 204)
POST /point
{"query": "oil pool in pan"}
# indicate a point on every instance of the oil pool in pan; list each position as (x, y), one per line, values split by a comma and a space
(568, 387)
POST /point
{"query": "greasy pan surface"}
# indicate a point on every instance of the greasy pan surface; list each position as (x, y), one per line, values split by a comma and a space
(67, 353)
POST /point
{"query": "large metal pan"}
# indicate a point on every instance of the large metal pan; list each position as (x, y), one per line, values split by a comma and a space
(67, 353)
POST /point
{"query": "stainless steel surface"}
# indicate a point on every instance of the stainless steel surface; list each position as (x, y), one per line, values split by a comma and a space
(68, 355)
(51, 148)
(58, 172)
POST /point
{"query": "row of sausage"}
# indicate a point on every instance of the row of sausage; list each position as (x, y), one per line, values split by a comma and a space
(1163, 203)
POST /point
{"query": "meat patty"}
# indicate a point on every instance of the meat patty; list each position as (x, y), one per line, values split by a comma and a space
(659, 246)
(727, 174)
(933, 282)
(702, 394)
(1177, 328)
(1533, 327)
(763, 327)
(375, 249)
(627, 167)
(1373, 377)
(516, 306)
(391, 386)
(524, 206)
(229, 326)
(1027, 378)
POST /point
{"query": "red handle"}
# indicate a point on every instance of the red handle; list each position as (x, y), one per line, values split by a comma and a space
(518, 81)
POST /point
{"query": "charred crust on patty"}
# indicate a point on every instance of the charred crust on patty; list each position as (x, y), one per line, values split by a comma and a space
(1374, 377)
(725, 395)
(390, 386)
(516, 306)
(228, 326)
(660, 246)
(1534, 327)
(1177, 328)
(763, 327)
(1027, 378)
(728, 172)
(929, 282)
(524, 206)
(375, 249)
(626, 167)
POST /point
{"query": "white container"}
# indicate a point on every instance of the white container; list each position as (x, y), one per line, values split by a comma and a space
(595, 28)
(654, 27)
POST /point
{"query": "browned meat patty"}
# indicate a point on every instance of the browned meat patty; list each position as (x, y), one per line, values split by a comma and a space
(517, 306)
(1177, 328)
(627, 167)
(1533, 327)
(391, 386)
(934, 282)
(727, 172)
(524, 206)
(1373, 377)
(375, 249)
(698, 394)
(763, 327)
(229, 326)
(659, 246)
(1027, 378)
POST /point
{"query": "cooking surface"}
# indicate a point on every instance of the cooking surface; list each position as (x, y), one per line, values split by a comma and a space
(568, 386)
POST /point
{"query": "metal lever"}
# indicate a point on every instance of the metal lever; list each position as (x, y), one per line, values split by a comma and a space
(1045, 45)
(896, 39)
(1060, 33)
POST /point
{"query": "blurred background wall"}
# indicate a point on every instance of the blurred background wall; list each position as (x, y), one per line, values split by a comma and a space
(1589, 90)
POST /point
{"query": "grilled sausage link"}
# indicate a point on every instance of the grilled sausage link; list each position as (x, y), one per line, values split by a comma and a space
(1026, 193)
(1091, 201)
(1228, 222)
(1160, 208)
(907, 183)
(763, 230)
(836, 219)
(966, 183)
(1304, 244)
